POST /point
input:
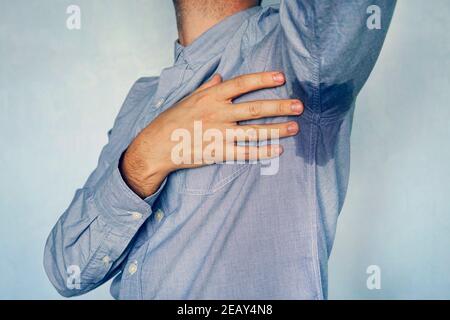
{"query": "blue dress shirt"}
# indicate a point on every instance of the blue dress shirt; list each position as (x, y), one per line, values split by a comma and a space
(231, 231)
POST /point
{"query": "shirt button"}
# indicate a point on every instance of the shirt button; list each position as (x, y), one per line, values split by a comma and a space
(106, 260)
(159, 103)
(136, 215)
(132, 268)
(159, 215)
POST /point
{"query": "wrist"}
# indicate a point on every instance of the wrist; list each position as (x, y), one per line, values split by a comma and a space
(142, 177)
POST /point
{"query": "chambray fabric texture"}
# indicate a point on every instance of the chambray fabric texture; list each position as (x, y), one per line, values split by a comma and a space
(231, 231)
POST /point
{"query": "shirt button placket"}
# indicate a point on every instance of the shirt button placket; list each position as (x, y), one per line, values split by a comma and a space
(133, 268)
(159, 103)
(159, 215)
(136, 216)
(106, 261)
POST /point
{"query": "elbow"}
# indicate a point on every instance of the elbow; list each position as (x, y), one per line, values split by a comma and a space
(65, 279)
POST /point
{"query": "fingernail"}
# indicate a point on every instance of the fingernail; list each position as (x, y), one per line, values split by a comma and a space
(297, 107)
(278, 77)
(292, 128)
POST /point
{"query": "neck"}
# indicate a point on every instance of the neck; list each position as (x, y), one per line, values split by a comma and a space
(196, 17)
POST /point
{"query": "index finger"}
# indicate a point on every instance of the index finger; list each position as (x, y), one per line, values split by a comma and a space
(238, 86)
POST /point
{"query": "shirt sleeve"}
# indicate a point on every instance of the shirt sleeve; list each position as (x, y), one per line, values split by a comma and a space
(339, 41)
(92, 238)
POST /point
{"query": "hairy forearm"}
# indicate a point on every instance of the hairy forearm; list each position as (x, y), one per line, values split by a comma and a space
(142, 178)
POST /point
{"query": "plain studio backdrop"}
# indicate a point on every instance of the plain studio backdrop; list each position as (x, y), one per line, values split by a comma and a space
(61, 89)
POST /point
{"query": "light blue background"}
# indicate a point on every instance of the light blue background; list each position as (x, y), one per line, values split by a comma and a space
(60, 91)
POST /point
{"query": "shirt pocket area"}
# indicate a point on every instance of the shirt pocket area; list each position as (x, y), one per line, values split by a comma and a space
(208, 180)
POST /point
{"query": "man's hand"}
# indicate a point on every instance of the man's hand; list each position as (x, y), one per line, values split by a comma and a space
(148, 160)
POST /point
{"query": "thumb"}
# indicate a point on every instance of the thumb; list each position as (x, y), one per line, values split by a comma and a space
(215, 80)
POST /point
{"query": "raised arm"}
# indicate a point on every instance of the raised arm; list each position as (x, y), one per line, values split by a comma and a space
(339, 40)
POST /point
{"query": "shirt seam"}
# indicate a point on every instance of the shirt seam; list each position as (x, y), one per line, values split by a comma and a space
(317, 105)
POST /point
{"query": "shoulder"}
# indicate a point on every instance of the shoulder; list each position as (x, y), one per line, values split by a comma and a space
(143, 86)
(142, 89)
(264, 22)
(259, 32)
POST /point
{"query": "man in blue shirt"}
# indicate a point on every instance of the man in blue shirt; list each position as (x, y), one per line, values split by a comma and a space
(218, 227)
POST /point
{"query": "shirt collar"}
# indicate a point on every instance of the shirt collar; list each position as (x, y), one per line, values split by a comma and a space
(213, 40)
